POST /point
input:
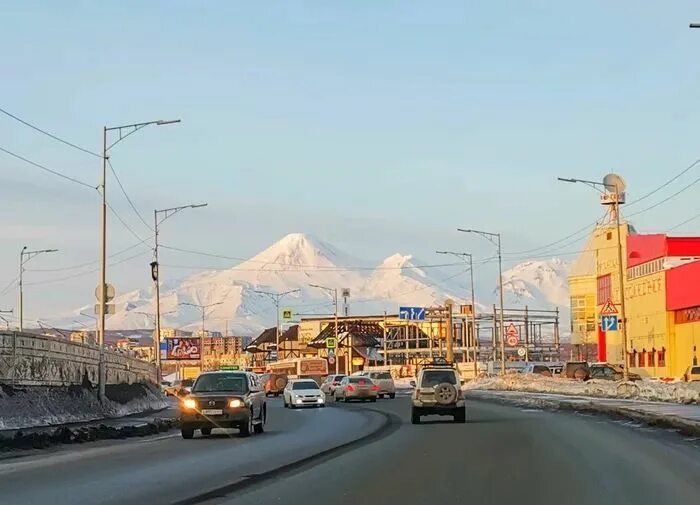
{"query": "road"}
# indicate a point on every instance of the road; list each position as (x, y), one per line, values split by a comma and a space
(502, 455)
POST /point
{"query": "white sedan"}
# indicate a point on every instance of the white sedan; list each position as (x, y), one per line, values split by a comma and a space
(303, 393)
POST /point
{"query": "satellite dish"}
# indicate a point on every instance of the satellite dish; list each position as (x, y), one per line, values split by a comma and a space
(614, 183)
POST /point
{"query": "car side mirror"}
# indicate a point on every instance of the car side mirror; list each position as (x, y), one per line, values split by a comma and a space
(413, 384)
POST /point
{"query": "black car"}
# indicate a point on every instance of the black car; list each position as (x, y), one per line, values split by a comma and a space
(224, 399)
(611, 372)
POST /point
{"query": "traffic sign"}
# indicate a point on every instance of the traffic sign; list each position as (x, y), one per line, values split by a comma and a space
(331, 343)
(331, 353)
(412, 313)
(512, 341)
(331, 360)
(609, 322)
(286, 313)
(110, 308)
(109, 292)
(512, 335)
(608, 308)
(521, 352)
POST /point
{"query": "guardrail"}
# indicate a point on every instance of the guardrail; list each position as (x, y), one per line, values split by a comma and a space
(27, 359)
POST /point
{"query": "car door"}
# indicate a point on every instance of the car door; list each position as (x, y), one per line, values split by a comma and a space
(340, 389)
(256, 396)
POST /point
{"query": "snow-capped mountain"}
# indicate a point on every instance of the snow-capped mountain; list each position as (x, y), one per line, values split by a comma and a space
(235, 298)
(538, 284)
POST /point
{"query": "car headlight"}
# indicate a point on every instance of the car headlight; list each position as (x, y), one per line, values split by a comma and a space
(320, 400)
(235, 403)
(189, 403)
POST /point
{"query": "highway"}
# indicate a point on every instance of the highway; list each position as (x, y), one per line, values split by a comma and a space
(502, 455)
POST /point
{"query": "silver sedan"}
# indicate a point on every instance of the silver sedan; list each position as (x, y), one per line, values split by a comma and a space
(356, 388)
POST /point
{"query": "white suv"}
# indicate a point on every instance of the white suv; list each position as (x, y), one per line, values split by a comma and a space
(437, 392)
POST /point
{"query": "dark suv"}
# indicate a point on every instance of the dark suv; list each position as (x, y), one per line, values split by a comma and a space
(576, 370)
(610, 372)
(224, 400)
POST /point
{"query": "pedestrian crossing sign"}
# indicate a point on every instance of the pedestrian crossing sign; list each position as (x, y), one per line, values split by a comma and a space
(609, 308)
(287, 314)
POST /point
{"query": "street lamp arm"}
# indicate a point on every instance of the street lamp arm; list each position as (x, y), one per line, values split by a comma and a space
(594, 184)
(167, 213)
(487, 235)
(133, 128)
(694, 25)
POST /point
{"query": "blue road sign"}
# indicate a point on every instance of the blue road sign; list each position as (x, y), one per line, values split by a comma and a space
(609, 322)
(412, 313)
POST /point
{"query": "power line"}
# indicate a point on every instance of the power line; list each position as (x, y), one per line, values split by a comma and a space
(48, 134)
(7, 288)
(124, 223)
(133, 207)
(684, 188)
(683, 172)
(42, 167)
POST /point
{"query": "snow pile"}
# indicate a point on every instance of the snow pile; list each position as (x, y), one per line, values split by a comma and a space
(47, 406)
(679, 392)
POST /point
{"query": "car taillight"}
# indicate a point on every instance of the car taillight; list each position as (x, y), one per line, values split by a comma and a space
(335, 383)
(349, 388)
(375, 388)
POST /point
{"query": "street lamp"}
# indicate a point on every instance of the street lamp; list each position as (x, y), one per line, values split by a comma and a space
(24, 257)
(334, 293)
(470, 260)
(276, 297)
(155, 270)
(203, 308)
(495, 238)
(617, 191)
(124, 131)
(695, 25)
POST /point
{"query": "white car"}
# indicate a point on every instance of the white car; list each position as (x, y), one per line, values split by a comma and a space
(303, 393)
(331, 382)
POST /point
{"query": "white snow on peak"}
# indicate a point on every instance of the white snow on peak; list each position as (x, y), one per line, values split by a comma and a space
(538, 283)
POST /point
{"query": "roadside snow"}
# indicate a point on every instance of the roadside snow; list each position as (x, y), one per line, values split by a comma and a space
(680, 392)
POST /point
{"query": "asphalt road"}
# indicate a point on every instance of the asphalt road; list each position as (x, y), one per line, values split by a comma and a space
(166, 469)
(503, 455)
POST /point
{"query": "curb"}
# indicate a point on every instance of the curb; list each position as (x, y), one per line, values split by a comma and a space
(684, 426)
(389, 425)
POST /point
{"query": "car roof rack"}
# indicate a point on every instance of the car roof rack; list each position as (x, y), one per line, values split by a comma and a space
(438, 362)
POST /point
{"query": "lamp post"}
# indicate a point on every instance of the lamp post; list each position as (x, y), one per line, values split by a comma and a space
(470, 260)
(495, 238)
(334, 293)
(155, 271)
(617, 191)
(156, 336)
(24, 257)
(7, 323)
(203, 308)
(276, 297)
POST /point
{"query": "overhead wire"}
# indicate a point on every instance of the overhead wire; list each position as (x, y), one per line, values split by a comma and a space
(126, 195)
(51, 171)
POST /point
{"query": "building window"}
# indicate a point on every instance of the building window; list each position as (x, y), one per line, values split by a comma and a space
(604, 289)
(631, 358)
(641, 357)
(662, 357)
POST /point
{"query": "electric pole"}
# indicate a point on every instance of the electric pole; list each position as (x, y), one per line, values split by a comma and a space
(276, 297)
(24, 257)
(348, 360)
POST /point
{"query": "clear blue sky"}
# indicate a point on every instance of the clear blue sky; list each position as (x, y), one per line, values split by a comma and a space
(377, 126)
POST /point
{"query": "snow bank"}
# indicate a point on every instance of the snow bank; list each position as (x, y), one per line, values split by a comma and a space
(680, 392)
(47, 406)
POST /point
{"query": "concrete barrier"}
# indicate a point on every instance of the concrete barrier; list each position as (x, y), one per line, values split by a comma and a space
(27, 359)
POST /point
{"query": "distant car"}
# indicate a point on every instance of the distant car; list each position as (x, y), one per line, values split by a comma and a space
(166, 388)
(331, 382)
(543, 370)
(356, 387)
(606, 371)
(576, 370)
(303, 393)
(385, 383)
(556, 370)
(180, 387)
(274, 383)
(692, 374)
(224, 399)
(437, 392)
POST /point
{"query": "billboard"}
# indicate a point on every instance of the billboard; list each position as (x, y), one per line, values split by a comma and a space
(183, 348)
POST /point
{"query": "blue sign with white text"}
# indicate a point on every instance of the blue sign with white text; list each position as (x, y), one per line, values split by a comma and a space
(412, 313)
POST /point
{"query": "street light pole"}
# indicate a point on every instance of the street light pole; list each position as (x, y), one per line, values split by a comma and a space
(620, 267)
(495, 238)
(124, 131)
(276, 297)
(470, 259)
(334, 292)
(24, 257)
(155, 272)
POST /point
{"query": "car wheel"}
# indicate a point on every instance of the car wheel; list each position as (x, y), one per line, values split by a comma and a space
(206, 431)
(415, 416)
(260, 427)
(373, 400)
(337, 399)
(187, 433)
(392, 395)
(246, 429)
(346, 399)
(460, 416)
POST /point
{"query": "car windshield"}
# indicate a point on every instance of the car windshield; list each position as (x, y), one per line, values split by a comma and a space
(381, 375)
(434, 377)
(235, 383)
(304, 385)
(187, 383)
(360, 380)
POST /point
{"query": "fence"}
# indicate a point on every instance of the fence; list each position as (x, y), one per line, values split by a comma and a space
(38, 360)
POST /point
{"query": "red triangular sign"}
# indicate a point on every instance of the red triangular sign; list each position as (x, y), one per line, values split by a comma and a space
(609, 308)
(511, 331)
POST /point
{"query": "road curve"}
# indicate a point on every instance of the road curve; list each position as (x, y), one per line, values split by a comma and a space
(166, 469)
(503, 455)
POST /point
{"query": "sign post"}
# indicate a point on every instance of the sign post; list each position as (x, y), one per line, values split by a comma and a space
(512, 335)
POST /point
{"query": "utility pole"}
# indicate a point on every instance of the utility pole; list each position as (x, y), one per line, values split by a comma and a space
(616, 188)
(124, 131)
(470, 258)
(203, 308)
(7, 323)
(450, 350)
(155, 272)
(24, 257)
(384, 339)
(495, 238)
(348, 360)
(276, 297)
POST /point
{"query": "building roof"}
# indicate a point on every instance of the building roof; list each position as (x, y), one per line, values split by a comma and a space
(360, 333)
(648, 247)
(268, 336)
(291, 335)
(584, 264)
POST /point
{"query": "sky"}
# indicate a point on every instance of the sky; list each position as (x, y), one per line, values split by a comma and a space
(379, 127)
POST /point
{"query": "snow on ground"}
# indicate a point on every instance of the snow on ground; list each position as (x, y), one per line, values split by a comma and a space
(679, 392)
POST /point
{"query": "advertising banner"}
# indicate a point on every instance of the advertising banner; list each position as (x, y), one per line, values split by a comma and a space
(183, 348)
